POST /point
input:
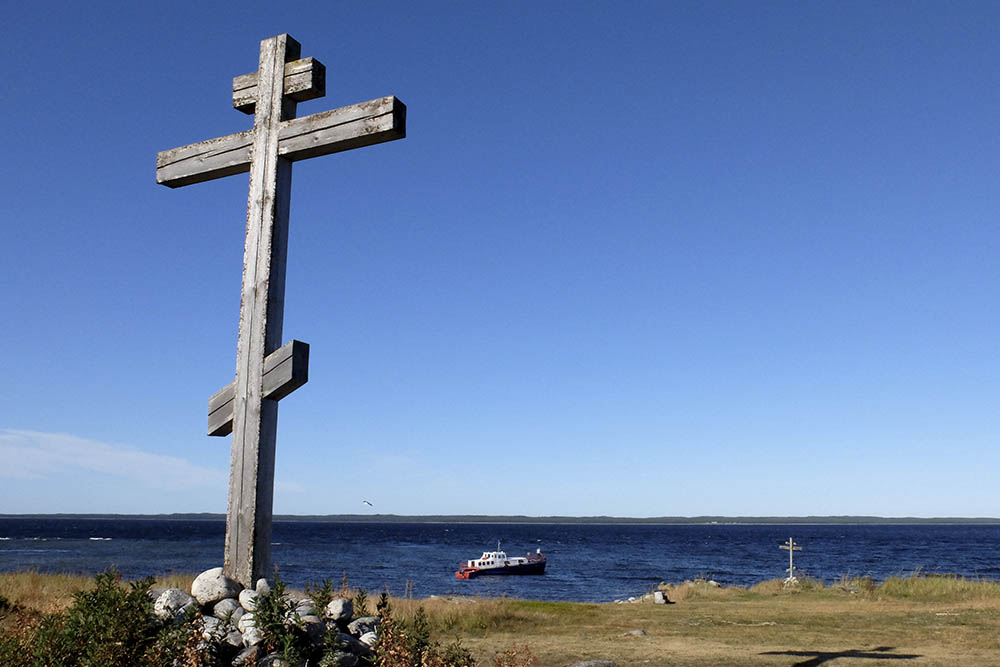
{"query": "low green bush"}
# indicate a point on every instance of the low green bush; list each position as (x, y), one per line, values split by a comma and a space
(112, 625)
(280, 626)
(321, 596)
(361, 603)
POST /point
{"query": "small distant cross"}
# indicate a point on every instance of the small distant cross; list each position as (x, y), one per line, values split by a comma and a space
(266, 371)
(791, 547)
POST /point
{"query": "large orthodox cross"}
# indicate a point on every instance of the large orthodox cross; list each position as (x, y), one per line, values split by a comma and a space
(266, 371)
(791, 547)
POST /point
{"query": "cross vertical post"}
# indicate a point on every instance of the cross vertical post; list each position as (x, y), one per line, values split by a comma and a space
(266, 371)
(255, 419)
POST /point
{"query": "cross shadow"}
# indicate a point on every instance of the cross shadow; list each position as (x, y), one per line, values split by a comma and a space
(819, 657)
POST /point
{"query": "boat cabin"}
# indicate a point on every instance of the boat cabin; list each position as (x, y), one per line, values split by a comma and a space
(490, 559)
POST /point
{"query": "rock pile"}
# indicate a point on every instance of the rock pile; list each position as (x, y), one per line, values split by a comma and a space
(656, 597)
(227, 624)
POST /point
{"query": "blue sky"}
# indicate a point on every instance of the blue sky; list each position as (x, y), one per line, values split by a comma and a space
(632, 259)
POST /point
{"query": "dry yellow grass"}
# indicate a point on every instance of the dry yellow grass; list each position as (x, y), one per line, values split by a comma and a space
(49, 593)
(923, 620)
(42, 592)
(930, 620)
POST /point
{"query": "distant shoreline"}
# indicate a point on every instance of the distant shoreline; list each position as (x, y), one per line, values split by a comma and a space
(519, 519)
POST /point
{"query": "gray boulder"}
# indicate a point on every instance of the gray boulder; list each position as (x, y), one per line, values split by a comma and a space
(252, 636)
(246, 621)
(172, 604)
(314, 627)
(211, 628)
(248, 599)
(353, 645)
(368, 639)
(247, 656)
(247, 626)
(211, 586)
(292, 618)
(339, 610)
(360, 626)
(234, 638)
(262, 587)
(228, 608)
(659, 597)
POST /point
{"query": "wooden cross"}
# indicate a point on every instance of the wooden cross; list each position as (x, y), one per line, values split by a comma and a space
(265, 371)
(792, 547)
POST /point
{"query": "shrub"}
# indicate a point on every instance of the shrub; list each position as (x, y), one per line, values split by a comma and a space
(321, 597)
(110, 625)
(361, 603)
(453, 654)
(408, 644)
(279, 624)
(383, 606)
(105, 626)
(181, 645)
(515, 656)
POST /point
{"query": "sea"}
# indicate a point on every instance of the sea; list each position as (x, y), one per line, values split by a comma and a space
(586, 562)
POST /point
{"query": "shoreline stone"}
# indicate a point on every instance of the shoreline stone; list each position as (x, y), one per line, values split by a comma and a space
(173, 603)
(339, 610)
(248, 599)
(228, 621)
(211, 586)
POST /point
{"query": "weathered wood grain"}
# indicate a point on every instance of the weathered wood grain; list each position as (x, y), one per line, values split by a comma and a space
(305, 79)
(205, 160)
(255, 420)
(354, 126)
(285, 370)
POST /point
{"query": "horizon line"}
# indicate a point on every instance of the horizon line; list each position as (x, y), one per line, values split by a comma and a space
(523, 518)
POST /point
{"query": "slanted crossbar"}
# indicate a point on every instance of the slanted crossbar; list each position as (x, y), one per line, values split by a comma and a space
(285, 370)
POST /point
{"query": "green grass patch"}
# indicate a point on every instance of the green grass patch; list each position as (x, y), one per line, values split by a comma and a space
(938, 588)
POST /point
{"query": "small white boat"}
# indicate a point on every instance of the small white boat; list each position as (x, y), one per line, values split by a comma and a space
(498, 562)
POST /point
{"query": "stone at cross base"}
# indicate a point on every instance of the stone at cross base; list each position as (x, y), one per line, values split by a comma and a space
(266, 371)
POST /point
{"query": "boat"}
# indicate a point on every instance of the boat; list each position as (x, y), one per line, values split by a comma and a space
(498, 562)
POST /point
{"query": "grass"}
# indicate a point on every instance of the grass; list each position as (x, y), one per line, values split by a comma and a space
(48, 593)
(927, 620)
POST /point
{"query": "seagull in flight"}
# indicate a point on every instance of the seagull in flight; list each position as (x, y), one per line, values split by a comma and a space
(367, 503)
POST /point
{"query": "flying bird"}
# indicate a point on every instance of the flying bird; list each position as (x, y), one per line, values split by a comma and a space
(367, 503)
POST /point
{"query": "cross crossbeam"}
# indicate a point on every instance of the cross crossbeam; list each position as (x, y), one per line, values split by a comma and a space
(248, 407)
(285, 370)
(365, 124)
(304, 79)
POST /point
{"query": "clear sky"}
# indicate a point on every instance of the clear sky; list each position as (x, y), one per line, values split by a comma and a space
(633, 258)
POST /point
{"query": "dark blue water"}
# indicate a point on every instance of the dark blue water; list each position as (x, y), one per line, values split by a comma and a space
(596, 563)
